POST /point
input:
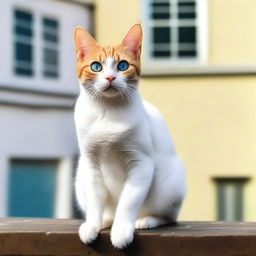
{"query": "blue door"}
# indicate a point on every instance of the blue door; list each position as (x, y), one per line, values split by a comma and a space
(32, 188)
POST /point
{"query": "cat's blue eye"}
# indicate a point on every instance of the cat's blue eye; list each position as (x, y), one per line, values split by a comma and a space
(96, 67)
(123, 65)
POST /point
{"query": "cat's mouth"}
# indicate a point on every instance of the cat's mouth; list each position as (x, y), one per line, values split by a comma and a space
(110, 90)
(110, 87)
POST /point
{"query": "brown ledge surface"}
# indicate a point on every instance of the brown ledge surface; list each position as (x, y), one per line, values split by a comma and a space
(59, 237)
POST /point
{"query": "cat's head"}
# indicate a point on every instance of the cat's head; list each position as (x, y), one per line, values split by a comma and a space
(112, 71)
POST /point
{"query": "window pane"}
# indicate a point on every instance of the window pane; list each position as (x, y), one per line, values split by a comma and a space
(230, 204)
(187, 53)
(23, 71)
(32, 185)
(186, 10)
(161, 11)
(50, 23)
(50, 56)
(50, 63)
(23, 16)
(51, 37)
(23, 31)
(161, 34)
(161, 16)
(186, 4)
(23, 52)
(161, 53)
(191, 15)
(165, 5)
(187, 34)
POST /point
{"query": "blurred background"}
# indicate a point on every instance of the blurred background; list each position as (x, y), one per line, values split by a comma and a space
(198, 68)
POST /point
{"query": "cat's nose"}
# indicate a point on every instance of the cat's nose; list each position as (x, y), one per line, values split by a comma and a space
(110, 78)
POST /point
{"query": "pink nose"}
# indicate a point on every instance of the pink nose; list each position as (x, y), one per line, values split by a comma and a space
(110, 78)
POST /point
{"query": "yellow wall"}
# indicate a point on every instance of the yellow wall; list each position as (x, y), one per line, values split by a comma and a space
(213, 123)
(212, 118)
(113, 18)
(232, 32)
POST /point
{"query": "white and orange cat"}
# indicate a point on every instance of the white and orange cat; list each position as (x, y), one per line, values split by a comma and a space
(129, 174)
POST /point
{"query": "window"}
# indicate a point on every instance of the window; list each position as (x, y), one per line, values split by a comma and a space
(230, 198)
(32, 185)
(23, 44)
(175, 30)
(26, 45)
(50, 47)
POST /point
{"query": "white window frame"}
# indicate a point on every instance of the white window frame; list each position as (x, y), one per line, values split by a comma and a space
(64, 189)
(152, 63)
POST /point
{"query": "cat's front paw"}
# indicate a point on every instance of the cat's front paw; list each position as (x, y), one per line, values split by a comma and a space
(88, 233)
(122, 235)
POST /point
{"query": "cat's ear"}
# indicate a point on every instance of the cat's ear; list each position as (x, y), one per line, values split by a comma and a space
(133, 39)
(83, 42)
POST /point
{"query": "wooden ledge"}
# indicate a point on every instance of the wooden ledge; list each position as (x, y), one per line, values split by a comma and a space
(59, 237)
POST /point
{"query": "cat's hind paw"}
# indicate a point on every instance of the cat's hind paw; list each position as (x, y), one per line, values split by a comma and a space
(150, 222)
(88, 233)
(122, 235)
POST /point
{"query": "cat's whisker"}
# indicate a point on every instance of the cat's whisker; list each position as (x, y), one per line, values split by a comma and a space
(123, 93)
(129, 92)
(94, 93)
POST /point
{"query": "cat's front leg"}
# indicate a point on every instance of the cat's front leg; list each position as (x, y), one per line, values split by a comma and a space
(95, 195)
(133, 195)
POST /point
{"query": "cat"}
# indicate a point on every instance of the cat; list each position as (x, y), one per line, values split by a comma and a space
(129, 174)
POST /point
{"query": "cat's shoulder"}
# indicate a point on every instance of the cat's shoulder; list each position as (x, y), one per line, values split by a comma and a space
(151, 110)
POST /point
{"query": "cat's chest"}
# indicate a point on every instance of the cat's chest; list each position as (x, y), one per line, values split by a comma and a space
(106, 133)
(113, 173)
(104, 139)
(109, 147)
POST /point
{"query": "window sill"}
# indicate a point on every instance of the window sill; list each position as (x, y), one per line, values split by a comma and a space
(24, 97)
(199, 71)
(60, 237)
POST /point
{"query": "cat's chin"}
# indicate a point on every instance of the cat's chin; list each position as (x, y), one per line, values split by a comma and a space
(110, 92)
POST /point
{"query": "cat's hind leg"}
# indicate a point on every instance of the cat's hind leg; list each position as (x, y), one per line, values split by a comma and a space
(150, 222)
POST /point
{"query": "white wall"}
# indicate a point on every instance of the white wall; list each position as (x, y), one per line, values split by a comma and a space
(69, 15)
(44, 134)
(34, 124)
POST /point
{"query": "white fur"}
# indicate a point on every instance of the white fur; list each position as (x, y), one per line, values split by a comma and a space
(129, 173)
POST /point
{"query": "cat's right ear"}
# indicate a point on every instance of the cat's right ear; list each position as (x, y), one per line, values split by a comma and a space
(83, 42)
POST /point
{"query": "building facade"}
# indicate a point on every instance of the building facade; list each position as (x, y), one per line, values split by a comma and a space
(199, 69)
(38, 88)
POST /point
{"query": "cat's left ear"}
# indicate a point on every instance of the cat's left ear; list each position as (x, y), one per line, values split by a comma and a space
(84, 42)
(133, 39)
